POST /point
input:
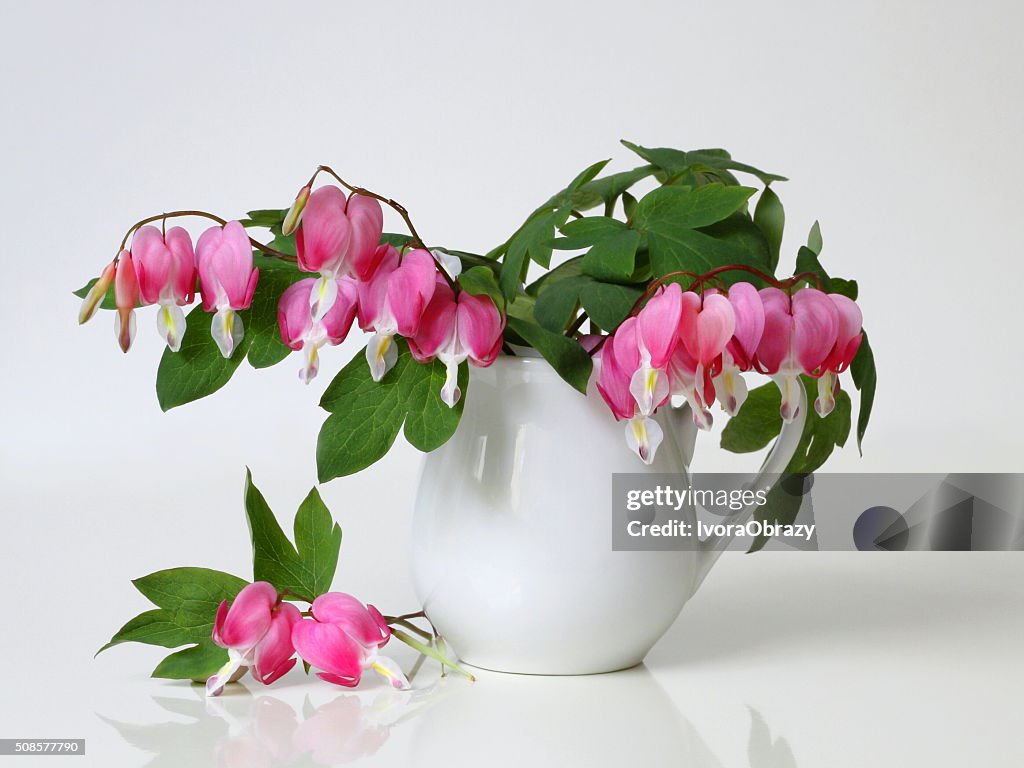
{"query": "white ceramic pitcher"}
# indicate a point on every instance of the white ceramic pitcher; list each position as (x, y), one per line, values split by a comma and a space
(512, 550)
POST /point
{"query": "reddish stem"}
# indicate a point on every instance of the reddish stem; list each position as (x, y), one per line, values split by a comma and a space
(162, 217)
(395, 205)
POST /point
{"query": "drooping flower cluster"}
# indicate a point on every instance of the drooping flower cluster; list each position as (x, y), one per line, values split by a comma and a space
(695, 345)
(391, 294)
(338, 240)
(161, 268)
(340, 636)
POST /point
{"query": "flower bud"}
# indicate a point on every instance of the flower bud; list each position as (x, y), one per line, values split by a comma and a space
(294, 215)
(96, 293)
(126, 295)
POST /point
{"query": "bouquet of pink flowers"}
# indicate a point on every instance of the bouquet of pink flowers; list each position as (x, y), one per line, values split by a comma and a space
(668, 294)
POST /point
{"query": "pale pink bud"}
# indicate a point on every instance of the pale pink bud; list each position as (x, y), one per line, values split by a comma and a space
(126, 296)
(294, 215)
(96, 293)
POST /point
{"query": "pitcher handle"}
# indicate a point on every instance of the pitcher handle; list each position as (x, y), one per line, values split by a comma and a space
(778, 459)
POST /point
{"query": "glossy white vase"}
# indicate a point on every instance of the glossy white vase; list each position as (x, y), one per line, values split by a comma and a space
(512, 549)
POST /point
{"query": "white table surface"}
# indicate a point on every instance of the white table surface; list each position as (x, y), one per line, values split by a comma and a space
(782, 659)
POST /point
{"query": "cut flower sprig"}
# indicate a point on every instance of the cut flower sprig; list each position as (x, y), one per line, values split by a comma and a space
(606, 315)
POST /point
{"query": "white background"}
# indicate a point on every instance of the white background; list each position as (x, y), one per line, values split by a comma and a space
(899, 126)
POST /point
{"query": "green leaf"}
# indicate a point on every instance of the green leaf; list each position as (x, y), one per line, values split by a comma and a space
(608, 304)
(429, 423)
(571, 268)
(306, 569)
(629, 206)
(739, 231)
(807, 261)
(198, 369)
(757, 423)
(865, 377)
(197, 662)
(670, 215)
(690, 208)
(531, 242)
(613, 258)
(585, 232)
(676, 162)
(154, 627)
(770, 218)
(780, 508)
(557, 304)
(395, 239)
(265, 345)
(187, 600)
(271, 218)
(608, 188)
(564, 198)
(814, 241)
(566, 356)
(366, 416)
(847, 288)
(480, 281)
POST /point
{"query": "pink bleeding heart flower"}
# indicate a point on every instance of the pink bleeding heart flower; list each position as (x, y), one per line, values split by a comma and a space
(454, 329)
(848, 338)
(656, 332)
(698, 390)
(301, 331)
(707, 324)
(337, 237)
(367, 220)
(321, 240)
(227, 280)
(126, 297)
(738, 355)
(165, 264)
(343, 638)
(256, 630)
(620, 360)
(393, 301)
(799, 334)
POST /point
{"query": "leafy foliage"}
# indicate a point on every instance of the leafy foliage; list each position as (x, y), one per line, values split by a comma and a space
(532, 241)
(770, 218)
(670, 217)
(865, 378)
(366, 416)
(714, 163)
(758, 423)
(187, 599)
(306, 568)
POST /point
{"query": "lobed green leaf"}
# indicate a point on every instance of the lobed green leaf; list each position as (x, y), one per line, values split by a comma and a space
(305, 569)
(366, 416)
